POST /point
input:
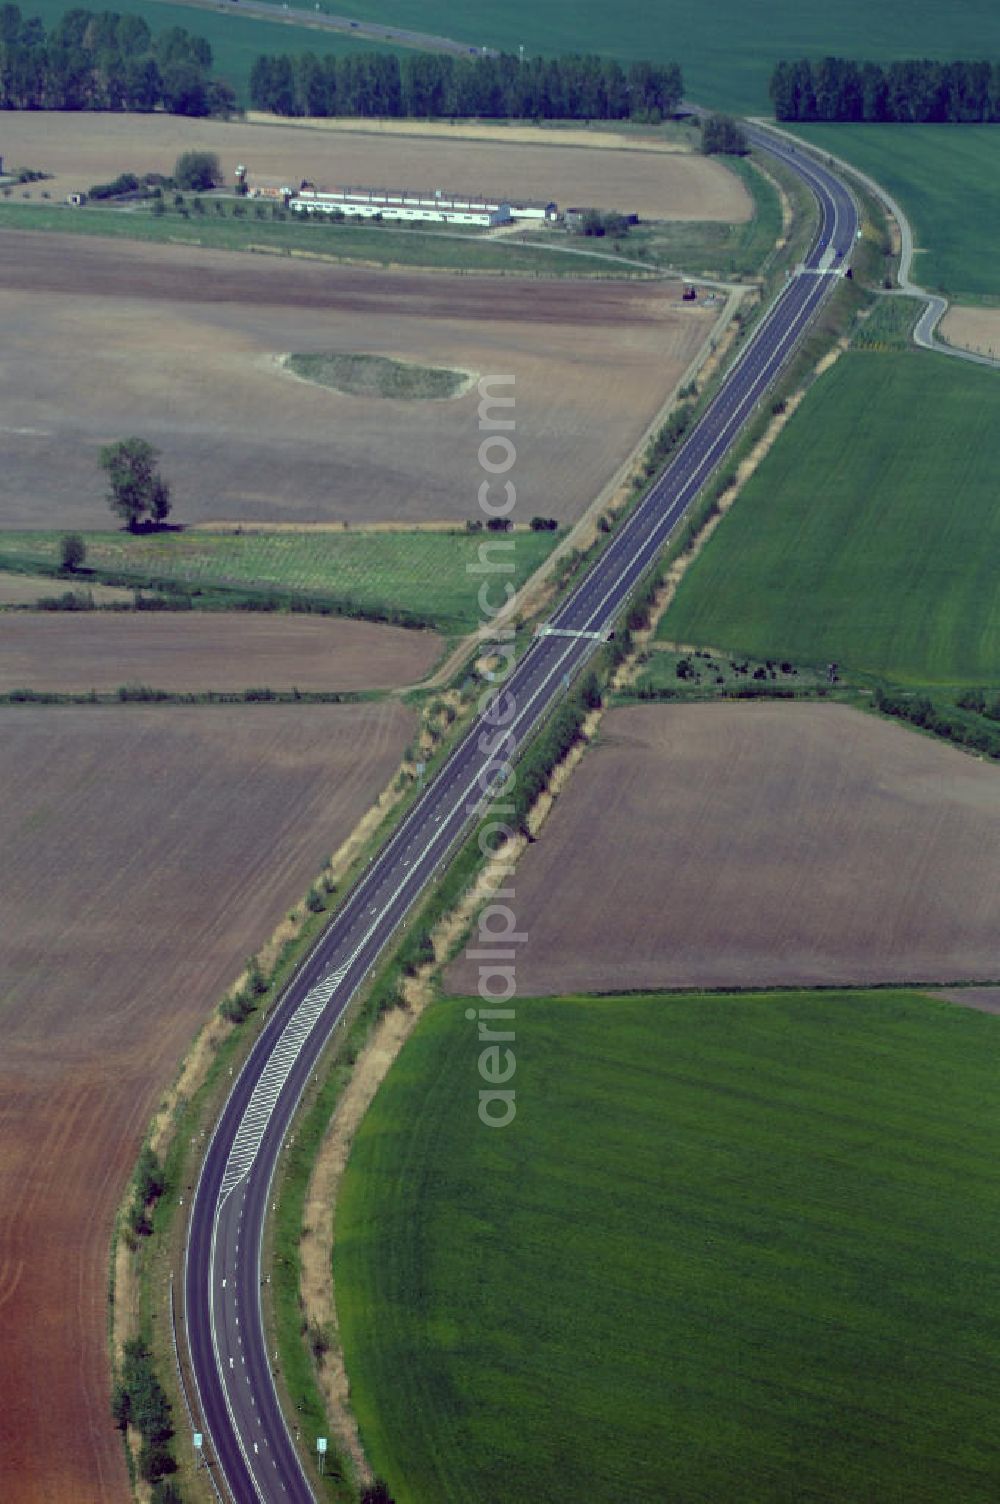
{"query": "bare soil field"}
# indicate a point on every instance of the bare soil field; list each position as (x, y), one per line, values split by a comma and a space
(182, 346)
(199, 651)
(26, 589)
(975, 329)
(748, 845)
(983, 999)
(134, 888)
(86, 149)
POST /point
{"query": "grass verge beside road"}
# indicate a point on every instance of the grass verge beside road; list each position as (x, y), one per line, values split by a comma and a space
(420, 576)
(712, 1263)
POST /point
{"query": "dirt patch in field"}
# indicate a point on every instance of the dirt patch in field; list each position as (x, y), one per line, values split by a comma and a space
(26, 589)
(83, 149)
(976, 329)
(176, 344)
(199, 651)
(135, 887)
(761, 845)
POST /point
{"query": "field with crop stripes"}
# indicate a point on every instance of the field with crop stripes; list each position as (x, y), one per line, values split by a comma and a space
(426, 574)
(730, 1247)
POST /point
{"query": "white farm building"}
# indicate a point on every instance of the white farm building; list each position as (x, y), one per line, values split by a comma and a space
(408, 204)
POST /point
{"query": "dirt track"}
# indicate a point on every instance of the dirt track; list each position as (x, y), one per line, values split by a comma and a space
(83, 149)
(735, 845)
(135, 887)
(179, 345)
(194, 651)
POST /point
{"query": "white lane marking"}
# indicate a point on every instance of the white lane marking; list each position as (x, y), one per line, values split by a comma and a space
(250, 1133)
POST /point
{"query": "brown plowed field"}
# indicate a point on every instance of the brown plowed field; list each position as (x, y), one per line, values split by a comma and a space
(84, 149)
(984, 999)
(730, 845)
(135, 885)
(199, 651)
(180, 345)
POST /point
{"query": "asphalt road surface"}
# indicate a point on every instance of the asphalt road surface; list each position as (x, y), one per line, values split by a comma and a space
(247, 1441)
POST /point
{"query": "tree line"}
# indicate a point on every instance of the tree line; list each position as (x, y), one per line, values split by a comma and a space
(92, 60)
(427, 85)
(910, 91)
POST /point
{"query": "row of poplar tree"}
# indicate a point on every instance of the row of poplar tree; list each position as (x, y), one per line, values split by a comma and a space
(426, 84)
(105, 61)
(835, 88)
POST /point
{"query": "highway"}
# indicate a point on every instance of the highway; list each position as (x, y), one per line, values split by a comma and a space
(247, 1442)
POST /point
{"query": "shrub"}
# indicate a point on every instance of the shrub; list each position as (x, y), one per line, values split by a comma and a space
(72, 551)
(198, 171)
(126, 182)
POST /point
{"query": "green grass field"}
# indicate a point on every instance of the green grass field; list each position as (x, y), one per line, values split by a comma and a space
(727, 50)
(943, 176)
(373, 245)
(236, 40)
(378, 376)
(425, 573)
(869, 535)
(730, 1248)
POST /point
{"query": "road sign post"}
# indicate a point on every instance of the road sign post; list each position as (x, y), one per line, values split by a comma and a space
(321, 1451)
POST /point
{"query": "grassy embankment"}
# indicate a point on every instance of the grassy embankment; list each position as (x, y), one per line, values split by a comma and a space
(373, 245)
(727, 51)
(730, 1246)
(866, 535)
(942, 177)
(414, 577)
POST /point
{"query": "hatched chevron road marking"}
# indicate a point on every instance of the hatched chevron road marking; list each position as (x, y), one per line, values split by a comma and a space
(253, 1124)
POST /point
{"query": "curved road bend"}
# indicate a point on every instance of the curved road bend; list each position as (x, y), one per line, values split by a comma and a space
(247, 1439)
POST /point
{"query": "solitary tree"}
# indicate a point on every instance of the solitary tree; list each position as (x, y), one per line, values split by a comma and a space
(720, 133)
(137, 488)
(72, 552)
(197, 171)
